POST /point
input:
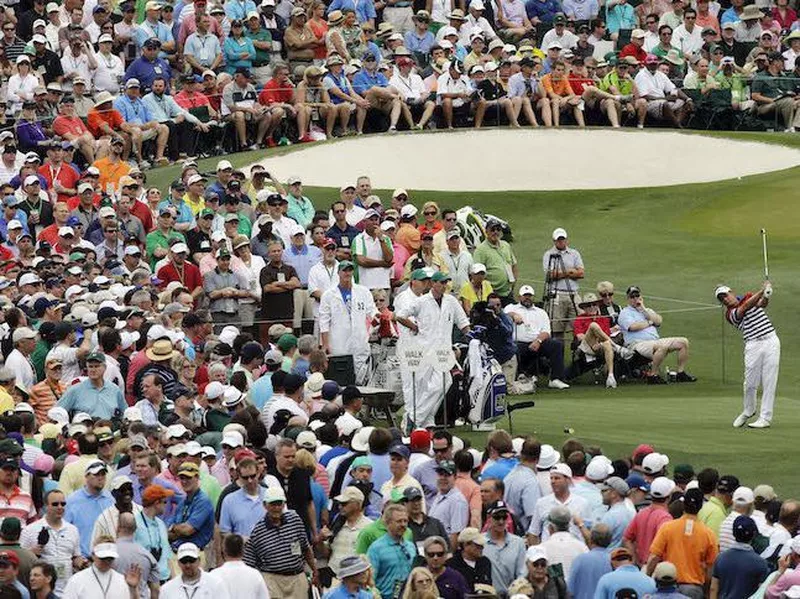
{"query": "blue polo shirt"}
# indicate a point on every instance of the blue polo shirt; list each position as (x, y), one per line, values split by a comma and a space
(391, 562)
(546, 10)
(146, 71)
(586, 571)
(261, 390)
(423, 44)
(302, 260)
(185, 214)
(500, 469)
(364, 80)
(100, 403)
(364, 9)
(740, 571)
(133, 111)
(624, 577)
(83, 510)
(341, 592)
(617, 519)
(198, 511)
(241, 512)
(627, 317)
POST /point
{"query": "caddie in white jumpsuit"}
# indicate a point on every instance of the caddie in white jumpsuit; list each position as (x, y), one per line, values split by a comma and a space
(419, 285)
(346, 315)
(762, 350)
(435, 314)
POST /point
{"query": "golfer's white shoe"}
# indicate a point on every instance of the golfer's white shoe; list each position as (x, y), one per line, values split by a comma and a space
(760, 423)
(741, 420)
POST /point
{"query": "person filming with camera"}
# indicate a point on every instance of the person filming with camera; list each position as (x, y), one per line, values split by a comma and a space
(563, 267)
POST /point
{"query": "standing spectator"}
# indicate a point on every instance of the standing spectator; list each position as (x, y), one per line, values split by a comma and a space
(469, 560)
(85, 505)
(689, 544)
(279, 548)
(561, 481)
(302, 257)
(133, 555)
(615, 491)
(391, 555)
(449, 505)
(505, 551)
(522, 490)
(562, 548)
(738, 571)
(742, 505)
(372, 253)
(625, 576)
(194, 577)
(588, 568)
(563, 267)
(240, 579)
(716, 509)
(18, 361)
(499, 259)
(243, 509)
(450, 582)
(225, 289)
(346, 527)
(642, 529)
(193, 521)
(84, 584)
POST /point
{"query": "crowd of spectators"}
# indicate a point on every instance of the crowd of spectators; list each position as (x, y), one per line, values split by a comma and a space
(198, 79)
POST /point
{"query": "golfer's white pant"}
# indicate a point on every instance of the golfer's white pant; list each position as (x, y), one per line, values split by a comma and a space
(430, 392)
(762, 359)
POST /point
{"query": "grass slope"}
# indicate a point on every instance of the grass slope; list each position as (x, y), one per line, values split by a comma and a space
(675, 242)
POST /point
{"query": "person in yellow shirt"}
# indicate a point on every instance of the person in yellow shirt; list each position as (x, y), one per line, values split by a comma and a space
(477, 289)
(7, 380)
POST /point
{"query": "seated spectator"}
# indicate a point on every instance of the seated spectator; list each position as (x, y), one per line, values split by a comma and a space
(533, 339)
(562, 98)
(279, 95)
(202, 48)
(664, 100)
(639, 325)
(240, 99)
(413, 92)
(593, 331)
(454, 94)
(768, 91)
(525, 94)
(149, 65)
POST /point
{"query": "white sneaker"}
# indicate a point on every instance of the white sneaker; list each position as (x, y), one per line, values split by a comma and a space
(741, 420)
(611, 382)
(760, 423)
(460, 422)
(484, 427)
(557, 384)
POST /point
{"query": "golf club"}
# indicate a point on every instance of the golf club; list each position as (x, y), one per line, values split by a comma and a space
(764, 246)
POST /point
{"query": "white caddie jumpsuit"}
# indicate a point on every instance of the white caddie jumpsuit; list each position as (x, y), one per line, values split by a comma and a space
(435, 324)
(348, 326)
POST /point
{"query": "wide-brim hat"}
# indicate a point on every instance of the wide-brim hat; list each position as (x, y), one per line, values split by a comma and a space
(103, 98)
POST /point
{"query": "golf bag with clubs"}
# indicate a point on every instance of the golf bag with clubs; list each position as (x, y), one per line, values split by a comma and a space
(484, 383)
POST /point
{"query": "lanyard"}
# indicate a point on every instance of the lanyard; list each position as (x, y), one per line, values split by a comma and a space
(100, 584)
(195, 588)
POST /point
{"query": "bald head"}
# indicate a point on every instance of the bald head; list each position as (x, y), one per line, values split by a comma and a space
(127, 525)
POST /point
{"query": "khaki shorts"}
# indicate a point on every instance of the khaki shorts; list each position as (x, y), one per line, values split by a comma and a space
(287, 587)
(655, 108)
(564, 312)
(648, 348)
(149, 134)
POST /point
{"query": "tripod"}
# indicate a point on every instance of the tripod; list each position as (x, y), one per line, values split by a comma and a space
(555, 264)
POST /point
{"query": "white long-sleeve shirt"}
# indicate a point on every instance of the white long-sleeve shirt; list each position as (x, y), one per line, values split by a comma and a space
(20, 89)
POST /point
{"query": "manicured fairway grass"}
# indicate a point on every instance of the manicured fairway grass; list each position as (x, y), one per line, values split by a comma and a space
(675, 242)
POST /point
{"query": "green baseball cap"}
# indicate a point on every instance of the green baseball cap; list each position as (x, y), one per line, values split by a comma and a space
(96, 356)
(345, 264)
(420, 274)
(440, 277)
(361, 462)
(207, 212)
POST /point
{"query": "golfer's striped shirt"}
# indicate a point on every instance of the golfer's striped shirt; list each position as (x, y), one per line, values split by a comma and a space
(277, 549)
(754, 324)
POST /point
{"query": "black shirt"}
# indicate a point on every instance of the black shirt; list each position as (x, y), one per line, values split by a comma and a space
(480, 574)
(49, 65)
(277, 306)
(198, 241)
(297, 487)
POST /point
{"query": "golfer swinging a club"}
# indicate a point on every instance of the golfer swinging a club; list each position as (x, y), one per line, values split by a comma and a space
(762, 350)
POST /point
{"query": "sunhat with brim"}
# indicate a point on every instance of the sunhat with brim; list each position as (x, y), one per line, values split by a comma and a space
(161, 350)
(352, 566)
(103, 98)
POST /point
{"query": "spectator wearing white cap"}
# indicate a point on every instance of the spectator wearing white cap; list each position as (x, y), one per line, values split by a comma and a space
(100, 580)
(477, 22)
(533, 337)
(22, 83)
(19, 360)
(193, 577)
(456, 259)
(180, 270)
(743, 500)
(302, 257)
(563, 267)
(561, 482)
(225, 289)
(373, 254)
(641, 531)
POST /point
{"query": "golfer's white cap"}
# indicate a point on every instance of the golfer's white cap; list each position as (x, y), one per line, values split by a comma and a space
(720, 290)
(558, 233)
(526, 290)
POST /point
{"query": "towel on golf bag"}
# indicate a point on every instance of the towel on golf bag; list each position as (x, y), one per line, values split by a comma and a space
(487, 384)
(386, 371)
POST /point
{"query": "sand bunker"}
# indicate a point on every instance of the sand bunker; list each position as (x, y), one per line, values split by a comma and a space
(495, 160)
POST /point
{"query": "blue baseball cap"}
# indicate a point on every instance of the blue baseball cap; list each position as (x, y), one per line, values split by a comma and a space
(636, 481)
(73, 221)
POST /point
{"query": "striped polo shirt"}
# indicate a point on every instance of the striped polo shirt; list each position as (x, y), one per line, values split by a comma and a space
(18, 504)
(277, 549)
(754, 323)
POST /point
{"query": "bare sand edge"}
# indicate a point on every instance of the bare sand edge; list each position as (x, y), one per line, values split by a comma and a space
(521, 160)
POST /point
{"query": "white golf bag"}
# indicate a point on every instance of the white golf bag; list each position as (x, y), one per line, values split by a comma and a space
(486, 384)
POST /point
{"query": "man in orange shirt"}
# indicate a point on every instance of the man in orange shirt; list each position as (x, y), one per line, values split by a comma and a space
(106, 121)
(60, 216)
(559, 92)
(113, 167)
(689, 544)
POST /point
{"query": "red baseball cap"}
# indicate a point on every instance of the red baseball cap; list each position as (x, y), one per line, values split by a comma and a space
(420, 440)
(328, 241)
(9, 557)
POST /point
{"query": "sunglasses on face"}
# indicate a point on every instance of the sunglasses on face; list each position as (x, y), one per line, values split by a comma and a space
(58, 504)
(187, 560)
(429, 213)
(606, 295)
(249, 477)
(435, 554)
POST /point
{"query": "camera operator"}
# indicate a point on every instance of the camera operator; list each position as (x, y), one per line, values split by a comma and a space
(534, 340)
(563, 267)
(499, 333)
